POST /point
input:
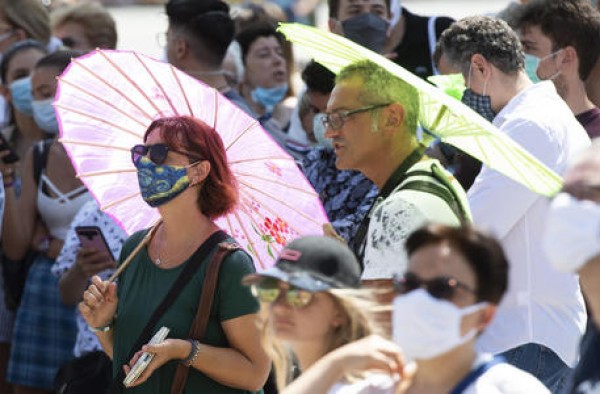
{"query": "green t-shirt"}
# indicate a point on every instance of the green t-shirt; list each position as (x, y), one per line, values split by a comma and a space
(141, 288)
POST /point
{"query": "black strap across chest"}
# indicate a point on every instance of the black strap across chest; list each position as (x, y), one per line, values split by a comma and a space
(358, 241)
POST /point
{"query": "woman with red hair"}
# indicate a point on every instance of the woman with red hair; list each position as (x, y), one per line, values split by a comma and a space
(183, 171)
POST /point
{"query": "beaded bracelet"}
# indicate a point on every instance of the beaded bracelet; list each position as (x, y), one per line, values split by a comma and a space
(189, 360)
(105, 328)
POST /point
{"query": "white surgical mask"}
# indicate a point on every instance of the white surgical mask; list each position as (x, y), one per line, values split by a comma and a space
(572, 234)
(426, 327)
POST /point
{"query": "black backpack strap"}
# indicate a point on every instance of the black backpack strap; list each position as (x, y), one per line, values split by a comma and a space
(445, 191)
(359, 240)
(41, 150)
(182, 280)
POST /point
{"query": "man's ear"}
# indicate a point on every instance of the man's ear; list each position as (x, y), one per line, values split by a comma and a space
(479, 64)
(181, 47)
(392, 117)
(486, 316)
(335, 26)
(199, 172)
(570, 57)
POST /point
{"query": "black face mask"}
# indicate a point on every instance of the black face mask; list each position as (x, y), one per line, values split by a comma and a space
(368, 30)
(479, 103)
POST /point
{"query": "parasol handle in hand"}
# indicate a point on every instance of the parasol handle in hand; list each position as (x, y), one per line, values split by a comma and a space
(135, 251)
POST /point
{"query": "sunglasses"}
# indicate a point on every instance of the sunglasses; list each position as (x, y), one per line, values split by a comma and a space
(157, 153)
(268, 291)
(442, 287)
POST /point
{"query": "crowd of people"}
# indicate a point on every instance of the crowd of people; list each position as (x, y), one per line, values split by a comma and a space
(435, 274)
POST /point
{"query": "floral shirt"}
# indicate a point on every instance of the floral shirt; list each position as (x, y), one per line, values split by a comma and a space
(346, 195)
(88, 215)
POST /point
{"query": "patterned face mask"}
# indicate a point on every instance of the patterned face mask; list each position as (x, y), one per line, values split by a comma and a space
(480, 103)
(160, 184)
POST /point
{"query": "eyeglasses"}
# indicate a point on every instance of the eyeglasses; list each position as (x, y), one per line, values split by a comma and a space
(157, 153)
(336, 120)
(443, 287)
(268, 291)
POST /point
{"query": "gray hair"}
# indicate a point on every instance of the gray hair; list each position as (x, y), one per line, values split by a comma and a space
(490, 37)
(381, 87)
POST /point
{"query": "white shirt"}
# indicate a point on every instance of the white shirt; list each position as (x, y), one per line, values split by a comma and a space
(88, 215)
(393, 219)
(541, 305)
(501, 378)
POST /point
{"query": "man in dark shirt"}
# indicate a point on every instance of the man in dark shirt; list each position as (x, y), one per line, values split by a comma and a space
(412, 41)
(563, 39)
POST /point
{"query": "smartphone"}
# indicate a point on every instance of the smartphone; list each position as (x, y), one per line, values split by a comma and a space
(92, 237)
(4, 145)
(142, 363)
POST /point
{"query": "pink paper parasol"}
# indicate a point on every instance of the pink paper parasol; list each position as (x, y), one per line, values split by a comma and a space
(107, 99)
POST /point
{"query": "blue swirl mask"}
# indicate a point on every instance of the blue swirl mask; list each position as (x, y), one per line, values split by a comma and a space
(160, 184)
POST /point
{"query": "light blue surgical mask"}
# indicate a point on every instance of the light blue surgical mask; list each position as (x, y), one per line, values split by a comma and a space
(159, 184)
(269, 97)
(319, 131)
(532, 63)
(20, 92)
(45, 115)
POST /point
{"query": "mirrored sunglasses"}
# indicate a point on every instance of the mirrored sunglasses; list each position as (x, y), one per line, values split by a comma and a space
(157, 153)
(268, 291)
(442, 287)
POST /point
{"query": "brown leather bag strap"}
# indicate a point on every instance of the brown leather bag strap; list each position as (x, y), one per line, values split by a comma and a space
(198, 328)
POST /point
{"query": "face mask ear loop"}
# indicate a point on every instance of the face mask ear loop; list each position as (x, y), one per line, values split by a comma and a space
(485, 86)
(469, 77)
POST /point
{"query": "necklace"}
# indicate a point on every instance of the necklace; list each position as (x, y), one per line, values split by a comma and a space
(158, 261)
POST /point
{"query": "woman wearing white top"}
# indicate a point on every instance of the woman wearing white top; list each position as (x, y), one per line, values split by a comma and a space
(455, 279)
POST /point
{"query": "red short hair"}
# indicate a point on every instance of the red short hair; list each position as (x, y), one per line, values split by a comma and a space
(218, 195)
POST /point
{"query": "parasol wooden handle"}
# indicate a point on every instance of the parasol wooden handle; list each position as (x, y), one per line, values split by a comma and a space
(135, 251)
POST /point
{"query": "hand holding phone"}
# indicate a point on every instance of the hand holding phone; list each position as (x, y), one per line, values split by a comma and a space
(91, 237)
(5, 146)
(145, 359)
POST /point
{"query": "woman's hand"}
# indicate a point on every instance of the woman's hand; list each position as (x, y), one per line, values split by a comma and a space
(169, 349)
(90, 262)
(370, 353)
(7, 170)
(99, 303)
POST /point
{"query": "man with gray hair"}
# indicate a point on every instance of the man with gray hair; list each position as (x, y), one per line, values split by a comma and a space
(542, 316)
(372, 118)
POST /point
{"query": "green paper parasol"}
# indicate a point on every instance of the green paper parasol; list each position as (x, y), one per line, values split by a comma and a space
(441, 114)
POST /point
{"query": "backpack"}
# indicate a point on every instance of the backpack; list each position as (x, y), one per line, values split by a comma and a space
(429, 183)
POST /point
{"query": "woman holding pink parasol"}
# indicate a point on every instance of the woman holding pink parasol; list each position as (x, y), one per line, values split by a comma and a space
(182, 170)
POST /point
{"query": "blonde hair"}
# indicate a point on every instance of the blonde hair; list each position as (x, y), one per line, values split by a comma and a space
(98, 25)
(30, 16)
(357, 306)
